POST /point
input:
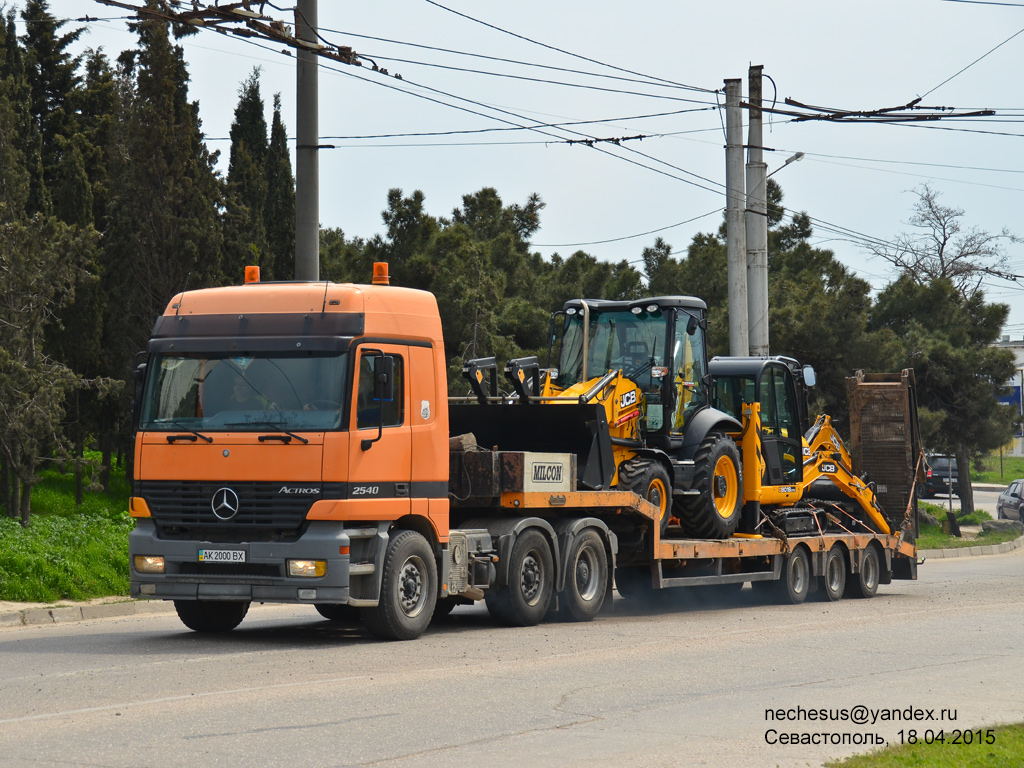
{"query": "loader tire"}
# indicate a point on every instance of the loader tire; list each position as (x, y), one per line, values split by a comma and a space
(648, 479)
(715, 513)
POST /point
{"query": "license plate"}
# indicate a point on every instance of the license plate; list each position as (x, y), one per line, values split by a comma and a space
(221, 556)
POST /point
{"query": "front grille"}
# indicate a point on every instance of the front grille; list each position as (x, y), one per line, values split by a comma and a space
(186, 505)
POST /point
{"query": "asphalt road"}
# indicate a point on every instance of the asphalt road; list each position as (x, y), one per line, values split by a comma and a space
(686, 685)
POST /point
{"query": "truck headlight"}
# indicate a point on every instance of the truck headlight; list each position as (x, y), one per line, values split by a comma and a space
(311, 569)
(149, 564)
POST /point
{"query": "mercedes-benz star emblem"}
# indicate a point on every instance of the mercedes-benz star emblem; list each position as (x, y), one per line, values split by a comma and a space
(224, 503)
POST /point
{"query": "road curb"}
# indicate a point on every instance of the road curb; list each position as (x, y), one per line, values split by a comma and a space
(987, 549)
(62, 614)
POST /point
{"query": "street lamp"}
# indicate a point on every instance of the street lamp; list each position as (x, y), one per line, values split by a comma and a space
(792, 159)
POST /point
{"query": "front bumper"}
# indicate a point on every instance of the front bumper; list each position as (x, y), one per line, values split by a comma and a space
(262, 578)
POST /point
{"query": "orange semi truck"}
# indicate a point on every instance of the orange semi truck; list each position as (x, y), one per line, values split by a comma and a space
(295, 444)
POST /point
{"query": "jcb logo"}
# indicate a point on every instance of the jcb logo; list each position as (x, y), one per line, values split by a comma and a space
(828, 468)
(628, 399)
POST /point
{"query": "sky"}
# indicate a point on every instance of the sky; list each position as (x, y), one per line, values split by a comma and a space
(857, 178)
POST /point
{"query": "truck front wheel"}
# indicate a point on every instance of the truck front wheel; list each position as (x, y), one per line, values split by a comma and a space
(715, 513)
(524, 601)
(408, 589)
(211, 616)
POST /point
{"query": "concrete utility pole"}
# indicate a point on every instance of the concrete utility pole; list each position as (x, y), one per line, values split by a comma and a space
(307, 131)
(756, 222)
(735, 237)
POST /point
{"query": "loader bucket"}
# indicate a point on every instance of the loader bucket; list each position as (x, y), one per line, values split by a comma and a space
(569, 428)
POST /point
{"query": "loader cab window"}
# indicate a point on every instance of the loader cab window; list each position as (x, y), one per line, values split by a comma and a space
(779, 422)
(368, 409)
(689, 364)
(632, 340)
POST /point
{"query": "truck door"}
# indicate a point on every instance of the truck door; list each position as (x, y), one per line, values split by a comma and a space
(380, 437)
(780, 433)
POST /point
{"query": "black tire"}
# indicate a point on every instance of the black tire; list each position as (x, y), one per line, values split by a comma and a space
(211, 615)
(833, 580)
(586, 578)
(795, 583)
(408, 589)
(524, 601)
(716, 512)
(864, 584)
(648, 479)
(348, 614)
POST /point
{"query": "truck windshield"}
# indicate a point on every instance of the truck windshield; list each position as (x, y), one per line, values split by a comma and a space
(199, 391)
(617, 339)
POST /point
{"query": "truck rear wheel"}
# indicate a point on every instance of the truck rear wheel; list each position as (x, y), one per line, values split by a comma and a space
(834, 578)
(648, 479)
(865, 583)
(408, 589)
(212, 615)
(715, 513)
(586, 578)
(524, 601)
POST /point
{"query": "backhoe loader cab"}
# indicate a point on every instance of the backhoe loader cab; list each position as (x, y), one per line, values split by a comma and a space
(657, 344)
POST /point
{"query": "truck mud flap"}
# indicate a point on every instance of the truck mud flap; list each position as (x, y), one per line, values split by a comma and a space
(569, 428)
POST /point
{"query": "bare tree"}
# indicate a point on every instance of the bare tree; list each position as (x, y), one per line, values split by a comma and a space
(942, 248)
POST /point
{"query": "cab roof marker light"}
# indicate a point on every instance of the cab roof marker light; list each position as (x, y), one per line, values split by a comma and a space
(252, 274)
(380, 273)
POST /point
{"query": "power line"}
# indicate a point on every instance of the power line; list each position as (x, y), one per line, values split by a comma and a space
(626, 237)
(568, 70)
(568, 53)
(535, 79)
(974, 62)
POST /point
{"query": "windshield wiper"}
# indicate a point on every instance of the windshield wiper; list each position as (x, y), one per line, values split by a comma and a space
(268, 425)
(172, 438)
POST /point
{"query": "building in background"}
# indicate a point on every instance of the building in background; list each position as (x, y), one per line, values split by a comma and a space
(1013, 396)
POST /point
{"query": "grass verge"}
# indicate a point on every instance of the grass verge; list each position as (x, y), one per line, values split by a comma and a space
(67, 552)
(1005, 750)
(988, 470)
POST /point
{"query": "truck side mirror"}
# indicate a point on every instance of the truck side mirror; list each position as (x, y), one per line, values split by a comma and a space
(809, 377)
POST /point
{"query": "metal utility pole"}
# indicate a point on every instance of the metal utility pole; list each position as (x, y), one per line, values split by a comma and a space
(735, 237)
(307, 131)
(756, 222)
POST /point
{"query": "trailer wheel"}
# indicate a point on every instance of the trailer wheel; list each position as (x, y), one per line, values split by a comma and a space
(648, 479)
(211, 616)
(834, 578)
(408, 589)
(715, 513)
(524, 601)
(339, 613)
(865, 583)
(586, 578)
(795, 582)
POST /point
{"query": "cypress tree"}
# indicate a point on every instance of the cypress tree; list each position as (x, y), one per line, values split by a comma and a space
(280, 210)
